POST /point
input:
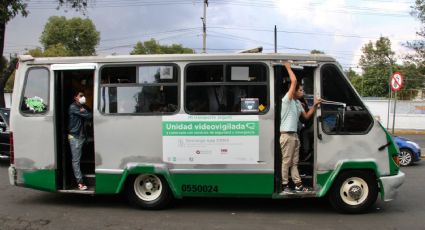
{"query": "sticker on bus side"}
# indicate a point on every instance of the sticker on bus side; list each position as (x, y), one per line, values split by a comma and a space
(210, 139)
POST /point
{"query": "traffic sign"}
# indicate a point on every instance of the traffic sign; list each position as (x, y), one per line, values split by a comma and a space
(396, 81)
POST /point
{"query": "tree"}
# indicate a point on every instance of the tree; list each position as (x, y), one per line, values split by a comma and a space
(316, 52)
(73, 37)
(153, 47)
(418, 11)
(377, 62)
(57, 50)
(413, 80)
(356, 80)
(8, 10)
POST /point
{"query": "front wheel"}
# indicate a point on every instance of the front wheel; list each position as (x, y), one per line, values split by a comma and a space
(354, 192)
(406, 157)
(148, 191)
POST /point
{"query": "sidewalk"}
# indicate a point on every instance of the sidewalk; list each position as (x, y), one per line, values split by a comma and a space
(408, 131)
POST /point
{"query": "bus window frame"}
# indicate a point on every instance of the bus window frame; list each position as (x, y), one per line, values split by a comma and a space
(136, 65)
(227, 83)
(353, 90)
(24, 89)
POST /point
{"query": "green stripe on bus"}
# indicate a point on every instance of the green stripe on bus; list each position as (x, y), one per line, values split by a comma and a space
(209, 128)
(224, 185)
(108, 183)
(43, 179)
(326, 179)
(392, 151)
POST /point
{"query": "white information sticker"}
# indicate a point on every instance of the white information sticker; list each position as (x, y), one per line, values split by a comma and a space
(212, 139)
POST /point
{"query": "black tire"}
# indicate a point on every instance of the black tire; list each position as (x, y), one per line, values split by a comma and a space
(406, 157)
(148, 191)
(354, 192)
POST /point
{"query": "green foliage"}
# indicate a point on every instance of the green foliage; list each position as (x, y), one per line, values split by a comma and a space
(356, 80)
(57, 50)
(9, 83)
(73, 37)
(316, 52)
(413, 79)
(377, 62)
(10, 8)
(418, 11)
(78, 5)
(153, 47)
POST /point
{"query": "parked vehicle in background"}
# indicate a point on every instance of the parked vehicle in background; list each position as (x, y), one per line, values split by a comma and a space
(410, 152)
(4, 134)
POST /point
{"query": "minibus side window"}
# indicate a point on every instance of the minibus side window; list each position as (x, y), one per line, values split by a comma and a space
(349, 115)
(145, 89)
(226, 89)
(35, 97)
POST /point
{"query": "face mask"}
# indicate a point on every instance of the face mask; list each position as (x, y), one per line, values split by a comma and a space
(82, 100)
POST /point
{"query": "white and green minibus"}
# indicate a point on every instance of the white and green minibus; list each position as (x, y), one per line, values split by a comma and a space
(197, 125)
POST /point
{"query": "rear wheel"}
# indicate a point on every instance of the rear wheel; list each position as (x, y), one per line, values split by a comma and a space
(148, 191)
(406, 157)
(354, 192)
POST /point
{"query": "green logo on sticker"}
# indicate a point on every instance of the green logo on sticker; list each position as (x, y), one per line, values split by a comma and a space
(35, 104)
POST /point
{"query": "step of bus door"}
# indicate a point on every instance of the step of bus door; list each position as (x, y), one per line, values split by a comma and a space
(89, 180)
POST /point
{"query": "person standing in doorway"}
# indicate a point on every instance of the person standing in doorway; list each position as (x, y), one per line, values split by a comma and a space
(289, 141)
(78, 115)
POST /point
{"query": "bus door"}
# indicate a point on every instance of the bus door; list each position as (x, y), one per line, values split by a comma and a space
(69, 80)
(342, 123)
(34, 130)
(304, 71)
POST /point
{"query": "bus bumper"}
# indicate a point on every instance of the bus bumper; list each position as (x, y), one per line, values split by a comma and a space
(12, 175)
(390, 185)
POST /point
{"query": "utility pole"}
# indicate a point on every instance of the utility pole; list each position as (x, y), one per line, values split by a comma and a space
(204, 28)
(275, 39)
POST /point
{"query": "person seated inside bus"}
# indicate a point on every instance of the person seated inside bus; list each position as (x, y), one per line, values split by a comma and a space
(306, 133)
(217, 98)
(237, 92)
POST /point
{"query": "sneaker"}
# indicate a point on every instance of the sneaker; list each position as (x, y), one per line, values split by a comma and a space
(301, 188)
(287, 190)
(82, 187)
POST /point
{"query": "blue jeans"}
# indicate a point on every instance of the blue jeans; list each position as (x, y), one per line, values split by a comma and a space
(76, 144)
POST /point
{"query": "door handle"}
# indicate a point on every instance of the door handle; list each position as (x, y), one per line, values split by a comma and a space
(319, 135)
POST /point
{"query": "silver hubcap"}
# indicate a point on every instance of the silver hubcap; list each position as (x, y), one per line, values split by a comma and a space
(147, 187)
(354, 191)
(405, 158)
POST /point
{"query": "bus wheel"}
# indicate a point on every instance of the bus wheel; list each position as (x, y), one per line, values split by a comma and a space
(148, 191)
(354, 192)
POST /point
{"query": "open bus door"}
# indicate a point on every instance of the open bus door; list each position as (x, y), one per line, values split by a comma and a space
(69, 79)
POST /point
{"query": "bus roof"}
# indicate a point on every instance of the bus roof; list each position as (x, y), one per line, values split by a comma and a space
(176, 57)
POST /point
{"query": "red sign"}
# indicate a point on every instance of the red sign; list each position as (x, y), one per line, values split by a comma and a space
(396, 81)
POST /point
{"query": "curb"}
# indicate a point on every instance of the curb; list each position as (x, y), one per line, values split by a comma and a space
(408, 131)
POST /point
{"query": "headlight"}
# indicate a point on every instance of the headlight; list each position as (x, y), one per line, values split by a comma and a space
(413, 143)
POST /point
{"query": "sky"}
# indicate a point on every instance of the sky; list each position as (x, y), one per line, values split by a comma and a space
(340, 28)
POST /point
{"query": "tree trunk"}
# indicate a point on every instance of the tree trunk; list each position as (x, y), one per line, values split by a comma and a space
(2, 67)
(2, 102)
(2, 34)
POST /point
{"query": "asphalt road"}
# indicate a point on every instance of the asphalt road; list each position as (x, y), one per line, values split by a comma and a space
(22, 208)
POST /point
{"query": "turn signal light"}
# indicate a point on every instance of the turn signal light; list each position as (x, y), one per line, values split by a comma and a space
(396, 160)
